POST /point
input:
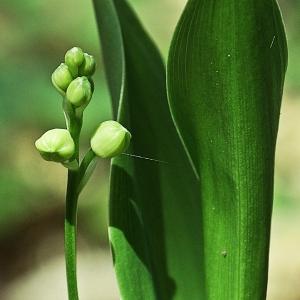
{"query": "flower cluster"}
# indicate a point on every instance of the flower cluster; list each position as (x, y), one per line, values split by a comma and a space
(73, 80)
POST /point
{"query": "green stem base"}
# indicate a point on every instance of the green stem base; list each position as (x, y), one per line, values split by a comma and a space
(70, 235)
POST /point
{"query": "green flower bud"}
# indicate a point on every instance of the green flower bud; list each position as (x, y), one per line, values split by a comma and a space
(74, 58)
(110, 139)
(88, 66)
(56, 145)
(61, 78)
(79, 92)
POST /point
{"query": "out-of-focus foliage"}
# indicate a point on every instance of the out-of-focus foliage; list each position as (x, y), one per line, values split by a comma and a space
(291, 14)
(33, 36)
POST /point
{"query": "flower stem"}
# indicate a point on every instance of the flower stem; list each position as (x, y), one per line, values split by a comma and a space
(75, 124)
(70, 235)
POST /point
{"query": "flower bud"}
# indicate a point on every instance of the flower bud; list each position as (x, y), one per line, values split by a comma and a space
(110, 139)
(79, 92)
(56, 145)
(61, 77)
(74, 57)
(87, 68)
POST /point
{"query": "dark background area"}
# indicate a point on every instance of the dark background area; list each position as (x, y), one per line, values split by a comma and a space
(34, 36)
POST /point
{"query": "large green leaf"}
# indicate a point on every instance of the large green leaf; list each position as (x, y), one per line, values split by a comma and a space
(226, 71)
(155, 216)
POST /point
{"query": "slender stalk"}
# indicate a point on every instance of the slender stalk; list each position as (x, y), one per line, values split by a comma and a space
(70, 235)
(75, 124)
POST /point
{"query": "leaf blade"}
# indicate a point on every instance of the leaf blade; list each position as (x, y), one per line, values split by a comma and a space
(226, 110)
(153, 206)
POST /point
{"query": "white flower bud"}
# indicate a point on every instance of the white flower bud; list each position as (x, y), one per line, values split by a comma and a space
(56, 145)
(110, 139)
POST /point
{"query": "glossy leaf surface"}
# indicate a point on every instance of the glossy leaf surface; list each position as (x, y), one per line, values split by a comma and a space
(155, 216)
(226, 71)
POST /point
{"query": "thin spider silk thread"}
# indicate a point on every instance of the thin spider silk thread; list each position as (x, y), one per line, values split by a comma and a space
(145, 158)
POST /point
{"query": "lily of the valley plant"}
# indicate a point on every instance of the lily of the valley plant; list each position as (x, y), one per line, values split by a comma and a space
(73, 80)
(197, 227)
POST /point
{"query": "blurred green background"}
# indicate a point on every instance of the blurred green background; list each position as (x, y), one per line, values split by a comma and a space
(34, 36)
